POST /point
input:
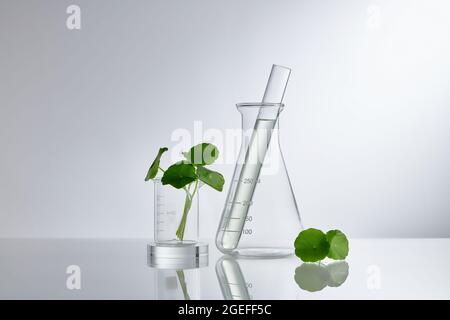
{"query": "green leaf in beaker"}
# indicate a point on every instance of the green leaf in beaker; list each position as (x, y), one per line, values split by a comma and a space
(153, 170)
(179, 175)
(211, 178)
(311, 245)
(202, 154)
(338, 245)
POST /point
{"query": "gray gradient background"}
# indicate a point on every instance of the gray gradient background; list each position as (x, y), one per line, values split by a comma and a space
(365, 132)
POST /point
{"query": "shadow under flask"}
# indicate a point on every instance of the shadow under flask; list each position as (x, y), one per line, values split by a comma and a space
(260, 218)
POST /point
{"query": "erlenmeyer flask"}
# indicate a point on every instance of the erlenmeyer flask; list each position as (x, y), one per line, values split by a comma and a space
(260, 217)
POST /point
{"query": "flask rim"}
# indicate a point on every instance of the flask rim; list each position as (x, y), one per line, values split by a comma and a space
(259, 105)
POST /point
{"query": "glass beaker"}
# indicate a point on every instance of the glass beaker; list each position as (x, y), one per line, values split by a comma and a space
(260, 217)
(168, 214)
(176, 228)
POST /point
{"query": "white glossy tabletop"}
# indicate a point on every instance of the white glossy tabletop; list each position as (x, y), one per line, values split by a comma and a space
(118, 269)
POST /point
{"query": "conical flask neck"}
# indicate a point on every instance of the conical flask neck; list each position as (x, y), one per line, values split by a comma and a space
(250, 113)
(260, 122)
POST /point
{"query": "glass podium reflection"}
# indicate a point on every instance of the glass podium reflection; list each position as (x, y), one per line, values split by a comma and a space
(177, 284)
(177, 279)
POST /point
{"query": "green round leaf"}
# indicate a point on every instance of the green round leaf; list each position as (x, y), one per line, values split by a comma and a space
(211, 178)
(338, 273)
(311, 277)
(338, 245)
(202, 154)
(179, 175)
(311, 245)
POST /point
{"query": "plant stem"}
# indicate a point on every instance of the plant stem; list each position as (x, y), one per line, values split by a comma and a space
(182, 226)
(187, 207)
(195, 189)
(180, 275)
(187, 191)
